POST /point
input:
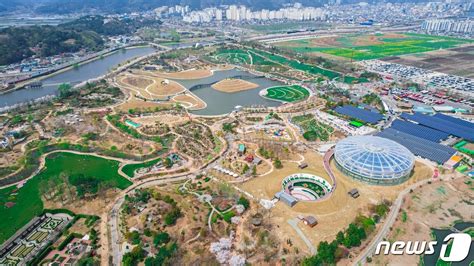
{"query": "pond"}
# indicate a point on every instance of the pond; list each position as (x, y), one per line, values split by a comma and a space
(440, 234)
(219, 103)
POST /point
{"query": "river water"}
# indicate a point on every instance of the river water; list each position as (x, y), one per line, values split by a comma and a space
(74, 76)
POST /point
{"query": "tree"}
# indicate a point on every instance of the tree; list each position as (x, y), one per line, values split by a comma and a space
(132, 258)
(277, 163)
(161, 238)
(245, 169)
(244, 202)
(254, 170)
(327, 251)
(172, 216)
(64, 90)
(168, 162)
(340, 237)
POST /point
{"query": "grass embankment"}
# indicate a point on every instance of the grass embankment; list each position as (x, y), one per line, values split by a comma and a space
(130, 169)
(27, 199)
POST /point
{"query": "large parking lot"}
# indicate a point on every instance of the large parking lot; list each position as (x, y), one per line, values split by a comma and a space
(419, 75)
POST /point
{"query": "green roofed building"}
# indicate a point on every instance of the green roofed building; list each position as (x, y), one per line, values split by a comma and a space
(355, 123)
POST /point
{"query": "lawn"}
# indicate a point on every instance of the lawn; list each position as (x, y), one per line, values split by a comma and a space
(291, 93)
(234, 56)
(130, 169)
(241, 57)
(311, 69)
(262, 58)
(347, 46)
(27, 199)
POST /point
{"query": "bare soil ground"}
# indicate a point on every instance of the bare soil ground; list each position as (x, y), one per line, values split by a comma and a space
(138, 82)
(95, 206)
(190, 101)
(234, 85)
(134, 103)
(169, 119)
(163, 87)
(435, 205)
(457, 61)
(187, 74)
(148, 86)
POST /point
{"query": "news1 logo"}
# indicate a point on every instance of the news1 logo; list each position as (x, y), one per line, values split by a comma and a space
(460, 245)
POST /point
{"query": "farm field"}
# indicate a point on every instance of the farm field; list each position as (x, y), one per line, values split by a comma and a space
(455, 61)
(27, 199)
(291, 93)
(365, 46)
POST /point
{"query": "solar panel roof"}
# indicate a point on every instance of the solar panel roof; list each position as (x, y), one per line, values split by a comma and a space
(444, 125)
(419, 146)
(361, 114)
(455, 120)
(419, 130)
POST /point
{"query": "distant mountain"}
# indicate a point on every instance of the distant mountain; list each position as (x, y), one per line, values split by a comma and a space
(120, 6)
(12, 5)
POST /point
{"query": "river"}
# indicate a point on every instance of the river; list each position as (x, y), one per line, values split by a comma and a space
(74, 76)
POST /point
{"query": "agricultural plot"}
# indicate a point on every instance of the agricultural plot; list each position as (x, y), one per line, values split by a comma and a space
(27, 200)
(291, 93)
(312, 129)
(365, 47)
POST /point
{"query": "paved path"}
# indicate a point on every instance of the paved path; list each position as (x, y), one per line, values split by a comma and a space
(294, 224)
(114, 216)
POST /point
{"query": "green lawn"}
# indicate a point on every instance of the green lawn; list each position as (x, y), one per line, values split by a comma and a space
(241, 57)
(129, 169)
(291, 93)
(312, 69)
(261, 58)
(27, 199)
(346, 46)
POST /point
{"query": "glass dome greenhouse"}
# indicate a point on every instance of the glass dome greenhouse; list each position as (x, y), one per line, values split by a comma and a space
(374, 160)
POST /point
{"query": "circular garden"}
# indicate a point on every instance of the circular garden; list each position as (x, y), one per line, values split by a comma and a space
(306, 187)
